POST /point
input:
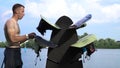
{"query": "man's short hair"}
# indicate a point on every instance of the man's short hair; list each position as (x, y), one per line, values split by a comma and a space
(15, 6)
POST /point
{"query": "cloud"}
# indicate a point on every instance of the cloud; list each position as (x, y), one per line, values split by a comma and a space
(112, 11)
(6, 15)
(52, 9)
(104, 13)
(108, 14)
(76, 10)
(3, 19)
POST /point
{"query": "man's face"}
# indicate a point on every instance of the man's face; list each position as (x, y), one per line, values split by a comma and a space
(20, 12)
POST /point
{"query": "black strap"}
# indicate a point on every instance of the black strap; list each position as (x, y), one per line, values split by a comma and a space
(2, 63)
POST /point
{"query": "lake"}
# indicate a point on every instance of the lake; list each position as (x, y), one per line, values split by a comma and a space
(102, 58)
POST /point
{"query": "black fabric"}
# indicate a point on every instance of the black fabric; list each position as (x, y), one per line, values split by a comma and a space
(64, 22)
(76, 64)
(42, 43)
(43, 26)
(63, 38)
(62, 56)
(12, 58)
(90, 49)
(72, 55)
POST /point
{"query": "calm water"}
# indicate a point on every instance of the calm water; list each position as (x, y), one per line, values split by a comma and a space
(102, 58)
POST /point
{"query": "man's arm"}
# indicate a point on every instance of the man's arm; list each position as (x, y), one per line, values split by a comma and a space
(14, 36)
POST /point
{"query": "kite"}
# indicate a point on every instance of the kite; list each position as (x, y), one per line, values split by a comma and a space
(65, 48)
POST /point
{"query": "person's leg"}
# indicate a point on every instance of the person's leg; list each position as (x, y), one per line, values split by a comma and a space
(13, 58)
(9, 59)
(20, 66)
(18, 59)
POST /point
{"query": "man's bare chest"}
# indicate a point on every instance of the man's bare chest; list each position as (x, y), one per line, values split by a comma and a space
(17, 29)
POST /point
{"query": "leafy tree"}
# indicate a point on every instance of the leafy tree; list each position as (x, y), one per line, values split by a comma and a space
(101, 43)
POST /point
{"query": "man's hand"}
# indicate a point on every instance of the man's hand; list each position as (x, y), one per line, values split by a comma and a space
(31, 35)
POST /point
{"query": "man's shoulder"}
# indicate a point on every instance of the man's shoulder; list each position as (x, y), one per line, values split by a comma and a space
(9, 21)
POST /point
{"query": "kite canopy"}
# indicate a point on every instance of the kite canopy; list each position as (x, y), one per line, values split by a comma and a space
(69, 46)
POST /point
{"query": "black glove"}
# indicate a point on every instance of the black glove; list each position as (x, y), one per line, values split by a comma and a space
(31, 35)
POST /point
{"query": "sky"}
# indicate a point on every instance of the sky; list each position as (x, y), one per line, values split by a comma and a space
(105, 21)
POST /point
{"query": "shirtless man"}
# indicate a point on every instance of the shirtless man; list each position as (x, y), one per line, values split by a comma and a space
(12, 33)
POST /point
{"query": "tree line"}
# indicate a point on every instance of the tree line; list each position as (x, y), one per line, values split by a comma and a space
(107, 43)
(101, 43)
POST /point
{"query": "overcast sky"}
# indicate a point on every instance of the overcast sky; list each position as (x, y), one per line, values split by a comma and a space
(105, 21)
